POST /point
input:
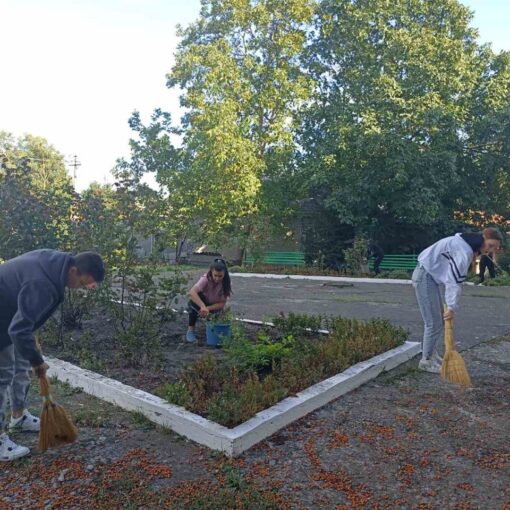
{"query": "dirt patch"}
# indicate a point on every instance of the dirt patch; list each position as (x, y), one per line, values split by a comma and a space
(93, 346)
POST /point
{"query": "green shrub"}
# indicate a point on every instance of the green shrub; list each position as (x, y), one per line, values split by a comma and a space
(296, 323)
(247, 355)
(503, 261)
(356, 257)
(237, 403)
(239, 269)
(202, 380)
(502, 279)
(396, 274)
(234, 393)
(176, 393)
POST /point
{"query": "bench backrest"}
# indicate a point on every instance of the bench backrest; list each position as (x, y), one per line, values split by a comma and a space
(392, 261)
(280, 258)
(297, 258)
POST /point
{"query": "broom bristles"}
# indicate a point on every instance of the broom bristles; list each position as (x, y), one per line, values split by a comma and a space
(453, 369)
(57, 428)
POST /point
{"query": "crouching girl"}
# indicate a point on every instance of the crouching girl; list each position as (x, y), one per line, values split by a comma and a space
(208, 295)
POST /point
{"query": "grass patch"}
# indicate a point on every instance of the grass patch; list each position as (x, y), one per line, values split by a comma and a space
(88, 418)
(279, 362)
(65, 389)
(140, 421)
(233, 492)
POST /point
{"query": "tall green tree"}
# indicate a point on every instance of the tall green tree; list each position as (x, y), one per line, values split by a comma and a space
(486, 158)
(384, 138)
(242, 80)
(37, 198)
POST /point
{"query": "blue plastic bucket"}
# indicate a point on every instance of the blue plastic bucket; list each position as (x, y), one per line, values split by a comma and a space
(215, 332)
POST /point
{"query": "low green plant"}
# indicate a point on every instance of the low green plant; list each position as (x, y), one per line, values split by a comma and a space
(237, 402)
(396, 274)
(502, 280)
(65, 389)
(247, 355)
(224, 316)
(90, 360)
(261, 371)
(233, 492)
(176, 393)
(140, 421)
(503, 260)
(297, 323)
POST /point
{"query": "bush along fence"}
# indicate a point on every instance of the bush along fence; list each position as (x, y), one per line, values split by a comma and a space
(296, 259)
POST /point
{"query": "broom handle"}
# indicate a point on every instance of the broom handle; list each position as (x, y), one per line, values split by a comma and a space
(44, 385)
(448, 333)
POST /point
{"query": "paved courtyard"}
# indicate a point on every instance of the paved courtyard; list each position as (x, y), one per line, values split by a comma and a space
(484, 312)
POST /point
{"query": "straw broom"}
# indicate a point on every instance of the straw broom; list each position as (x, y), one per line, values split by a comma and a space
(453, 368)
(57, 428)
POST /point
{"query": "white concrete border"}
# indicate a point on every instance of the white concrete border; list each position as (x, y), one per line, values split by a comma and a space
(339, 279)
(324, 278)
(236, 440)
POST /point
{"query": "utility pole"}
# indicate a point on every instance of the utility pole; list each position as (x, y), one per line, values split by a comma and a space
(75, 164)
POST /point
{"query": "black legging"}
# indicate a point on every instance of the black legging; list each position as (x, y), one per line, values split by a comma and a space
(194, 309)
(487, 263)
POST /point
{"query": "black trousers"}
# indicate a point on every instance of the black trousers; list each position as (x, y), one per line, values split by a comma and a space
(486, 263)
(194, 309)
(377, 263)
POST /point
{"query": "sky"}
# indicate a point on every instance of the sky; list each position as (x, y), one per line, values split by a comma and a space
(73, 71)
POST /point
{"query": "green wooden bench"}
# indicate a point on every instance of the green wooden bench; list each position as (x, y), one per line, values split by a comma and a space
(391, 262)
(297, 258)
(279, 258)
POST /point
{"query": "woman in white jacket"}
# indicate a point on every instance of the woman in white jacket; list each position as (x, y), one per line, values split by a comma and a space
(443, 267)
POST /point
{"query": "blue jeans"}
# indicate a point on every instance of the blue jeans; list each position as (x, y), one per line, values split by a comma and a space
(430, 300)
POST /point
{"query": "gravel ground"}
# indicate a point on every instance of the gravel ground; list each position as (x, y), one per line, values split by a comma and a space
(405, 440)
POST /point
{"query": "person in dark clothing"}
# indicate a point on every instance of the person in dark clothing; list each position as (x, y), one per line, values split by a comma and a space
(377, 253)
(31, 288)
(487, 262)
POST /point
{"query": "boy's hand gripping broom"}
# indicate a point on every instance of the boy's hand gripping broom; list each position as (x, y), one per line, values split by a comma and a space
(453, 368)
(57, 429)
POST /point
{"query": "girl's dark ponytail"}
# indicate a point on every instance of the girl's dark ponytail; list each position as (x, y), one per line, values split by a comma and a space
(221, 266)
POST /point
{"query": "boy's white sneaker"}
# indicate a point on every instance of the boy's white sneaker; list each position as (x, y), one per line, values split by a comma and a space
(9, 450)
(435, 357)
(27, 422)
(429, 365)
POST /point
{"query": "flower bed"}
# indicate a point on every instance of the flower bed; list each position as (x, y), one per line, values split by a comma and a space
(258, 371)
(257, 367)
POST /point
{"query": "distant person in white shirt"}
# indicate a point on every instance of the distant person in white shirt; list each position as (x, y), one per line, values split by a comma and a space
(441, 270)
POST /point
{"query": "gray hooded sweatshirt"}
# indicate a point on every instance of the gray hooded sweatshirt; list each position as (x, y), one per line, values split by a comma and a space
(31, 288)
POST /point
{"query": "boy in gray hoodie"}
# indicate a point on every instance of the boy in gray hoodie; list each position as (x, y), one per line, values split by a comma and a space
(31, 288)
